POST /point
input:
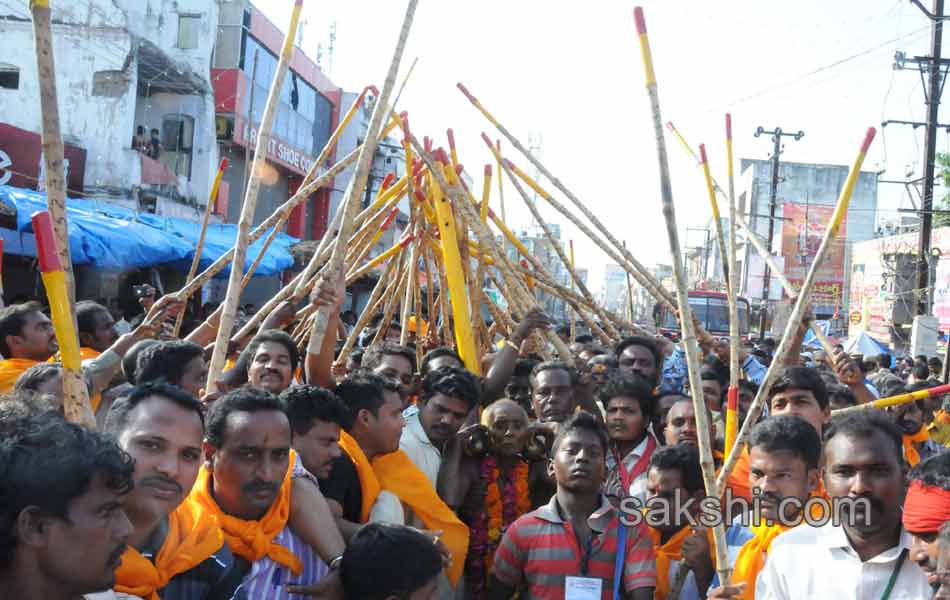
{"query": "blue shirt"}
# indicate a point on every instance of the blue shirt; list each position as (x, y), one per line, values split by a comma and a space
(675, 371)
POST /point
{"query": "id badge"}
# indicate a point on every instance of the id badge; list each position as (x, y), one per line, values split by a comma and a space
(583, 588)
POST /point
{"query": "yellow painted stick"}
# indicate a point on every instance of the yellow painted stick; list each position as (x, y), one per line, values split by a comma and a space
(732, 396)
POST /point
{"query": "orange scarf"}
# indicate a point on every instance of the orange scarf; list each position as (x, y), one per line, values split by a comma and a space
(193, 536)
(395, 473)
(88, 353)
(752, 556)
(666, 553)
(910, 451)
(10, 371)
(252, 540)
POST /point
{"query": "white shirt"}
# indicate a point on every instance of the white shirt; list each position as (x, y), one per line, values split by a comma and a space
(416, 444)
(819, 563)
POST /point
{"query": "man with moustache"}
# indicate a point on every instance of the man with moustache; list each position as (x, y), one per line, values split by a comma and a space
(62, 528)
(784, 454)
(394, 362)
(176, 551)
(245, 484)
(866, 555)
(681, 425)
(578, 516)
(927, 510)
(272, 359)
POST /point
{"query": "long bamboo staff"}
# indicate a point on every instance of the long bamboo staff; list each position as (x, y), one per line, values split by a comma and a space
(732, 396)
(639, 271)
(76, 406)
(682, 297)
(720, 236)
(897, 400)
(199, 247)
(629, 292)
(758, 244)
(233, 295)
(407, 304)
(358, 183)
(372, 307)
(52, 137)
(799, 310)
(393, 296)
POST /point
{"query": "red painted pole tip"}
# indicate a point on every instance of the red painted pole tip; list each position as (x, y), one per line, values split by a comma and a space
(669, 125)
(427, 143)
(702, 154)
(487, 174)
(441, 156)
(420, 197)
(459, 168)
(487, 140)
(223, 165)
(388, 180)
(728, 126)
(640, 21)
(508, 163)
(868, 138)
(298, 3)
(451, 135)
(465, 91)
(45, 242)
(372, 88)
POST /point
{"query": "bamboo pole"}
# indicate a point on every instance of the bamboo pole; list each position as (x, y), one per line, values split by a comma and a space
(800, 308)
(52, 138)
(640, 273)
(392, 298)
(686, 318)
(758, 244)
(720, 236)
(732, 396)
(629, 291)
(199, 247)
(897, 400)
(233, 295)
(406, 309)
(355, 189)
(76, 406)
(372, 306)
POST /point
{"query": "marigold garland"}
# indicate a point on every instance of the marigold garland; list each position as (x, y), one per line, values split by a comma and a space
(503, 506)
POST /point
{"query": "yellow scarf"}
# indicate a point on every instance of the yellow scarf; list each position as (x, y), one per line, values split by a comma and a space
(751, 557)
(10, 371)
(910, 451)
(252, 540)
(666, 553)
(193, 536)
(395, 473)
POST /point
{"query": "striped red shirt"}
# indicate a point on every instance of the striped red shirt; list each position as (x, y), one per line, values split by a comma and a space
(540, 549)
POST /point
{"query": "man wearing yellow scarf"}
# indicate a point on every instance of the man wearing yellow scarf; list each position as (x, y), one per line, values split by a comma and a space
(783, 466)
(176, 550)
(245, 484)
(674, 479)
(374, 480)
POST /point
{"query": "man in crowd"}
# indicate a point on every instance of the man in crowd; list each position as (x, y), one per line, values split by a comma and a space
(317, 417)
(911, 420)
(509, 375)
(927, 510)
(272, 361)
(675, 479)
(553, 392)
(61, 519)
(628, 405)
(96, 328)
(447, 397)
(177, 362)
(681, 425)
(374, 481)
(578, 516)
(176, 551)
(385, 562)
(784, 452)
(865, 555)
(245, 484)
(439, 358)
(394, 362)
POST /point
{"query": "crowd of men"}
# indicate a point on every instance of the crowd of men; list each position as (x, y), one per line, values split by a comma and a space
(369, 476)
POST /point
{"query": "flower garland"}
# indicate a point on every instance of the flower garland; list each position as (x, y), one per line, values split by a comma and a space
(502, 507)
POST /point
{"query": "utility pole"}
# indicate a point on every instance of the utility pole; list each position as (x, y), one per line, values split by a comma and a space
(777, 135)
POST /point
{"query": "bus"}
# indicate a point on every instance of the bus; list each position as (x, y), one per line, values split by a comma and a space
(711, 309)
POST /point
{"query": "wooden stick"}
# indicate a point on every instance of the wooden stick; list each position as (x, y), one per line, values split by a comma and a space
(798, 311)
(52, 138)
(897, 400)
(199, 247)
(732, 396)
(720, 236)
(629, 291)
(76, 407)
(233, 295)
(686, 318)
(372, 306)
(392, 299)
(407, 299)
(358, 183)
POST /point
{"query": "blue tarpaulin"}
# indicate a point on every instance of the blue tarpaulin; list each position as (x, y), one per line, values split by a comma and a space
(113, 238)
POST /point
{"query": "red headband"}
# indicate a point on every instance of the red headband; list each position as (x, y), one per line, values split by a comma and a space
(926, 508)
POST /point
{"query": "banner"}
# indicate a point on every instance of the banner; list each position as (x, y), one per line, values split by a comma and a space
(803, 228)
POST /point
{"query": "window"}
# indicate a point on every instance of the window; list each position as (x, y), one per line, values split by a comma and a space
(9, 77)
(178, 133)
(188, 26)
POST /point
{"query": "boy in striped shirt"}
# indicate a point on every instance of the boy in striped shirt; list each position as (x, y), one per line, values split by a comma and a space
(568, 548)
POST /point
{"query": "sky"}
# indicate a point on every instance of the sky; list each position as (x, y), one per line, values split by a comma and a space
(570, 75)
